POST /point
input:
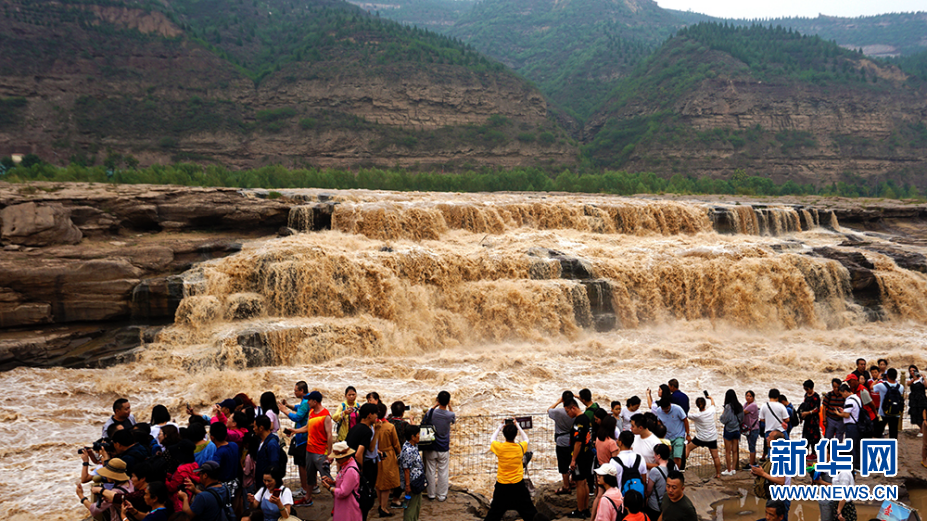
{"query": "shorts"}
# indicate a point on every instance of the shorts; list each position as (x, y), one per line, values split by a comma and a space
(318, 462)
(710, 445)
(564, 455)
(583, 469)
(732, 436)
(299, 456)
(678, 446)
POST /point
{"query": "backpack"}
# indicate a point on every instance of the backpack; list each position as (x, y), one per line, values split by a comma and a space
(659, 499)
(427, 433)
(226, 511)
(760, 484)
(863, 422)
(631, 476)
(793, 417)
(366, 495)
(892, 402)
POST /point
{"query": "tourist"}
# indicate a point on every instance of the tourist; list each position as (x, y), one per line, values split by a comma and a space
(268, 452)
(269, 408)
(397, 419)
(732, 418)
(616, 413)
(113, 477)
(128, 449)
(580, 459)
(156, 498)
(122, 414)
(345, 487)
(676, 506)
(510, 492)
(360, 438)
(159, 418)
(227, 456)
(860, 372)
(611, 502)
(141, 475)
(186, 470)
(563, 425)
(585, 397)
(345, 416)
(387, 442)
(606, 444)
(319, 441)
(238, 426)
(759, 471)
(656, 480)
(889, 390)
(634, 507)
(630, 468)
(706, 433)
(676, 422)
(808, 412)
(790, 412)
(846, 510)
(644, 439)
(831, 402)
(774, 414)
(917, 401)
(883, 365)
(751, 425)
(374, 398)
(850, 412)
(413, 474)
(209, 504)
(299, 415)
(437, 456)
(274, 500)
(678, 397)
(630, 409)
(204, 449)
(775, 511)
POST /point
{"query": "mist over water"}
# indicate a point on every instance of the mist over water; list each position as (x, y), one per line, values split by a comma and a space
(504, 300)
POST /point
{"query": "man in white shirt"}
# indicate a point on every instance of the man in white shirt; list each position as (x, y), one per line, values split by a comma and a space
(644, 440)
(630, 409)
(852, 406)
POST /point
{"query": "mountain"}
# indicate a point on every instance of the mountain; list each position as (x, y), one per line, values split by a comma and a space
(718, 100)
(571, 49)
(434, 15)
(880, 36)
(254, 82)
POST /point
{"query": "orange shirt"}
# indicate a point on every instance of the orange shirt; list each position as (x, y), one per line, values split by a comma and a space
(317, 441)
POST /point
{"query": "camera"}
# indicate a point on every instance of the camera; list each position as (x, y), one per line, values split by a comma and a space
(509, 421)
(101, 444)
(118, 499)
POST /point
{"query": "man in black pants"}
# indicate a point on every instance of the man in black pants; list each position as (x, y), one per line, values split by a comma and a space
(510, 492)
(360, 438)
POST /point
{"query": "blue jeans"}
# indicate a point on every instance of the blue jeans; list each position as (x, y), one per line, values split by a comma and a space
(751, 440)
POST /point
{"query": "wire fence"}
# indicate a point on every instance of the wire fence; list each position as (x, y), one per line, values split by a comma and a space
(470, 440)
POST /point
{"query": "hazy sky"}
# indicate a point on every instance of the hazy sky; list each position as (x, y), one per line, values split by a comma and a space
(805, 8)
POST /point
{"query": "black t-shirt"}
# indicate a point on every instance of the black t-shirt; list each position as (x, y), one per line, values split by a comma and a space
(359, 435)
(580, 433)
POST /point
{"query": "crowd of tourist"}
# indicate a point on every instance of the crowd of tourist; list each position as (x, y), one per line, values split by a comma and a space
(624, 462)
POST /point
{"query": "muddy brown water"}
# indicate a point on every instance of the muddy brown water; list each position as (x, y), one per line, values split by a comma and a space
(413, 293)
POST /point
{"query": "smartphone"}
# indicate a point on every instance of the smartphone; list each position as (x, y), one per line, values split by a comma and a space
(408, 407)
(706, 393)
(509, 421)
(277, 492)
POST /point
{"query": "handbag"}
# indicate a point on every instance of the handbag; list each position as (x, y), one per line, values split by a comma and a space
(526, 479)
(427, 433)
(849, 511)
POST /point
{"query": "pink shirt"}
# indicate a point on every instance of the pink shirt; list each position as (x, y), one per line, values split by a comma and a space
(346, 507)
(606, 512)
(605, 449)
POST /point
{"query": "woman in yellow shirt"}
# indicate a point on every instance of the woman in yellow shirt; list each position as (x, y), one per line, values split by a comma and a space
(510, 492)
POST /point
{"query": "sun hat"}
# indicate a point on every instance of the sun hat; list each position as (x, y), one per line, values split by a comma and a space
(114, 469)
(606, 470)
(341, 450)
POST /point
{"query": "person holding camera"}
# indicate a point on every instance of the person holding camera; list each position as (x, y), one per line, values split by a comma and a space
(112, 476)
(274, 500)
(210, 501)
(128, 450)
(156, 498)
(510, 492)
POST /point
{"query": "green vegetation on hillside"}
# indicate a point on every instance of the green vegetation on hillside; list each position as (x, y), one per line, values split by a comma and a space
(709, 52)
(485, 180)
(915, 65)
(572, 49)
(434, 15)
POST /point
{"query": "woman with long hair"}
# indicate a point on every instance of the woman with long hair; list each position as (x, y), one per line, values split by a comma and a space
(269, 409)
(159, 418)
(731, 419)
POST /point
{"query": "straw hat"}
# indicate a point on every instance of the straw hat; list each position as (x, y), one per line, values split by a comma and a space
(341, 450)
(115, 469)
